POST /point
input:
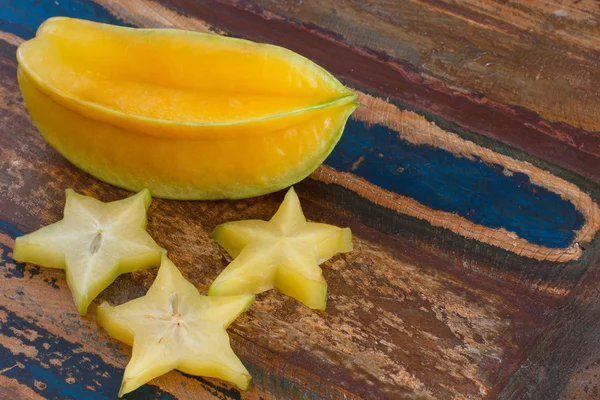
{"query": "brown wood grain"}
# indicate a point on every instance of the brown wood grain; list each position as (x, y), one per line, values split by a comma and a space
(511, 52)
(10, 389)
(564, 363)
(468, 67)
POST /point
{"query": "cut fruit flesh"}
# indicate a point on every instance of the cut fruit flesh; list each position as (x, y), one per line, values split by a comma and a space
(174, 327)
(200, 116)
(283, 253)
(94, 243)
(229, 79)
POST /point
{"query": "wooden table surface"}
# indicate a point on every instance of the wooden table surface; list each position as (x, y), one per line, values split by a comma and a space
(469, 176)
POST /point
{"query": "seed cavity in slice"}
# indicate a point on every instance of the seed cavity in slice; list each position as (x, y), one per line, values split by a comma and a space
(283, 253)
(173, 303)
(174, 327)
(94, 243)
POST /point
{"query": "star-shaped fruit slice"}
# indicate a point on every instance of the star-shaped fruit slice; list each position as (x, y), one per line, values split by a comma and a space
(174, 327)
(94, 243)
(283, 253)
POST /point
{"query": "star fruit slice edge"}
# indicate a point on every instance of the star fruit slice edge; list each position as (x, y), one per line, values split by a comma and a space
(175, 327)
(94, 243)
(283, 253)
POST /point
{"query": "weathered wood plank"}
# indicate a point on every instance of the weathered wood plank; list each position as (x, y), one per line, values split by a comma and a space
(397, 322)
(533, 63)
(510, 52)
(437, 300)
(401, 324)
(564, 363)
(406, 154)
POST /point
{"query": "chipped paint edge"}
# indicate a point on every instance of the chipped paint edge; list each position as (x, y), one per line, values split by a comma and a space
(417, 130)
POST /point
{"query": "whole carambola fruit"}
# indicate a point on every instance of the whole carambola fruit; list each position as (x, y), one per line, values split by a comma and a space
(187, 115)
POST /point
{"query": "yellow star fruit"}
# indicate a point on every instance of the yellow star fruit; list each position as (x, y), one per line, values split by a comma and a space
(283, 253)
(94, 243)
(187, 115)
(174, 327)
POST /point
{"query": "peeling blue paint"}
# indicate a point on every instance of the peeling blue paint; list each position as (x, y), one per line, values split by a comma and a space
(78, 375)
(10, 230)
(482, 193)
(23, 17)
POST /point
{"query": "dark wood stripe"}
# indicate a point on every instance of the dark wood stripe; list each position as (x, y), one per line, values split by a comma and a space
(372, 71)
(546, 62)
(565, 362)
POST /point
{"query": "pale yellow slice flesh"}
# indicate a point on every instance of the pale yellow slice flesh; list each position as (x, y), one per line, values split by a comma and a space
(174, 327)
(94, 243)
(283, 253)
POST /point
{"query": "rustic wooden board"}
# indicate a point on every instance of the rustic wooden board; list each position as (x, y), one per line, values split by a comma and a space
(531, 67)
(473, 271)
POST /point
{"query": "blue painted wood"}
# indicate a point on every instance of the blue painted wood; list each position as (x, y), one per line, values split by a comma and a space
(87, 370)
(472, 189)
(23, 17)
